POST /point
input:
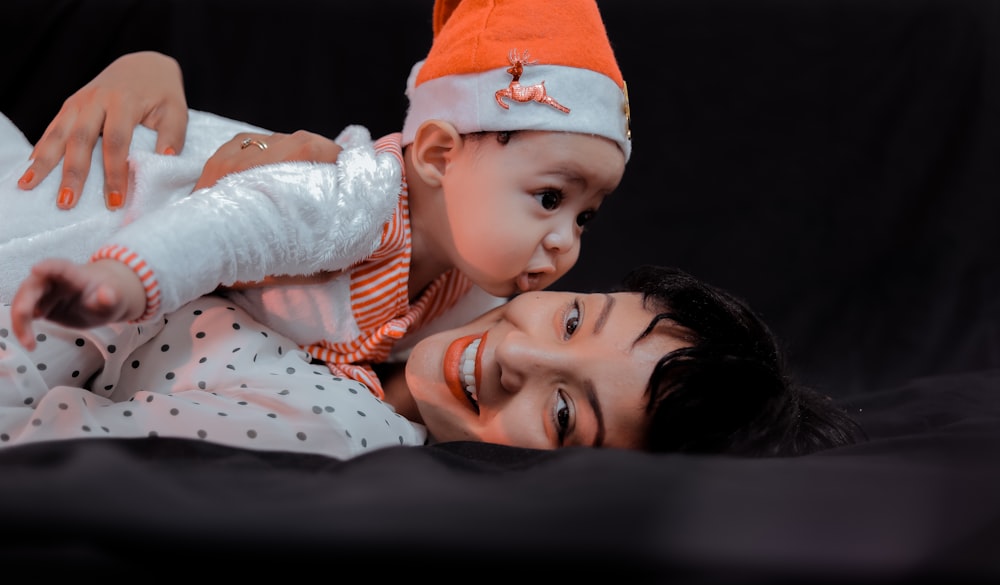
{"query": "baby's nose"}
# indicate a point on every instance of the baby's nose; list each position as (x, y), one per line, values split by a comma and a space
(560, 240)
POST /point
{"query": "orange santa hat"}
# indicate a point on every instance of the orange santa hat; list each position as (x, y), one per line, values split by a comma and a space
(520, 65)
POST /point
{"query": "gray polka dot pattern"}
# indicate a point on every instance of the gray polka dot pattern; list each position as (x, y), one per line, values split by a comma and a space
(209, 372)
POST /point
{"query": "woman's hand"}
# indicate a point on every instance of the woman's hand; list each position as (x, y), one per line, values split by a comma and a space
(251, 150)
(139, 88)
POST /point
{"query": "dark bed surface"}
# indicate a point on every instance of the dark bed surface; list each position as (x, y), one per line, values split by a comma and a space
(917, 504)
(835, 162)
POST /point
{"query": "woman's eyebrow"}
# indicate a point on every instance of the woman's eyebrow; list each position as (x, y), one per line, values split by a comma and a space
(595, 404)
(602, 317)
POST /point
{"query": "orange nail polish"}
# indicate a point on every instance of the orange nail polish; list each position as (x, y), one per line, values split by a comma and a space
(114, 200)
(66, 198)
(169, 150)
(26, 177)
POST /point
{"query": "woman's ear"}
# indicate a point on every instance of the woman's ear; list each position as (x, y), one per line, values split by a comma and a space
(434, 146)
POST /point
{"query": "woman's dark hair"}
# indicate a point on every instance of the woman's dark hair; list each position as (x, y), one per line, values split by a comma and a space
(729, 392)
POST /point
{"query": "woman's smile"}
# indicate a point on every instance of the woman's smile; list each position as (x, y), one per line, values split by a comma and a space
(462, 371)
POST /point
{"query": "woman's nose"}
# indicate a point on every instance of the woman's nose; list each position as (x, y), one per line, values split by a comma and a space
(521, 359)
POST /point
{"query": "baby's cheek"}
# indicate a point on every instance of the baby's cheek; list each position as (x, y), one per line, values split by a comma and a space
(568, 260)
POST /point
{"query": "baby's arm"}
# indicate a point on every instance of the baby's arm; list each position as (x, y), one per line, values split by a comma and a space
(292, 218)
(76, 295)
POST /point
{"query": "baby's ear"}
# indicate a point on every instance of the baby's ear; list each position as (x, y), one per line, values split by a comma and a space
(434, 146)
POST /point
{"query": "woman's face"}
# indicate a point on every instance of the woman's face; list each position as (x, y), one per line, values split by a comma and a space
(546, 370)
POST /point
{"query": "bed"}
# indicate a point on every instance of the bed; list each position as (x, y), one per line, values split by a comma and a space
(834, 162)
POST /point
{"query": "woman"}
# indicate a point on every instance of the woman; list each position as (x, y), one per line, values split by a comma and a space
(667, 364)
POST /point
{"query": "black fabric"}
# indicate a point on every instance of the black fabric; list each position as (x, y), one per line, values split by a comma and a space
(832, 161)
(917, 503)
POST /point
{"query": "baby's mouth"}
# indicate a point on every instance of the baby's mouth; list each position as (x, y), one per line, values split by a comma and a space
(528, 281)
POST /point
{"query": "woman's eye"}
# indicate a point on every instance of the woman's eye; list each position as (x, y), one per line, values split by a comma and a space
(572, 320)
(549, 199)
(583, 218)
(561, 415)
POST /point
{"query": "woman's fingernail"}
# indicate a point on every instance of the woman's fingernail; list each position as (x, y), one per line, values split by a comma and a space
(169, 150)
(26, 177)
(114, 200)
(66, 198)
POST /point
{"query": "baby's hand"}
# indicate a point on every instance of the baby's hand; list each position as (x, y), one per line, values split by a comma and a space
(76, 295)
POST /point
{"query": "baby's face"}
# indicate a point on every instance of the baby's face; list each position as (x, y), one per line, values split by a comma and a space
(516, 211)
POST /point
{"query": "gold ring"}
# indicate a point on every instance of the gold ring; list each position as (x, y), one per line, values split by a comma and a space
(259, 144)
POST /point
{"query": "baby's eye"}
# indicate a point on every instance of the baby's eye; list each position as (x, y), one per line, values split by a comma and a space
(549, 199)
(572, 320)
(586, 216)
(561, 416)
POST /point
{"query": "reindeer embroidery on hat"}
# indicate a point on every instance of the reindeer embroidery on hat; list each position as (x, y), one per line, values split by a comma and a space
(524, 93)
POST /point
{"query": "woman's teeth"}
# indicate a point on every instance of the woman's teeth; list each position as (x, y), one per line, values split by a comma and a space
(467, 370)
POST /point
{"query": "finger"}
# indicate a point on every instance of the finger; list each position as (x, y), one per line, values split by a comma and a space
(80, 143)
(24, 332)
(229, 158)
(118, 127)
(313, 147)
(24, 310)
(48, 151)
(212, 170)
(170, 125)
(103, 301)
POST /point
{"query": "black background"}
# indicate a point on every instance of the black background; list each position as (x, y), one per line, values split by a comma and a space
(835, 162)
